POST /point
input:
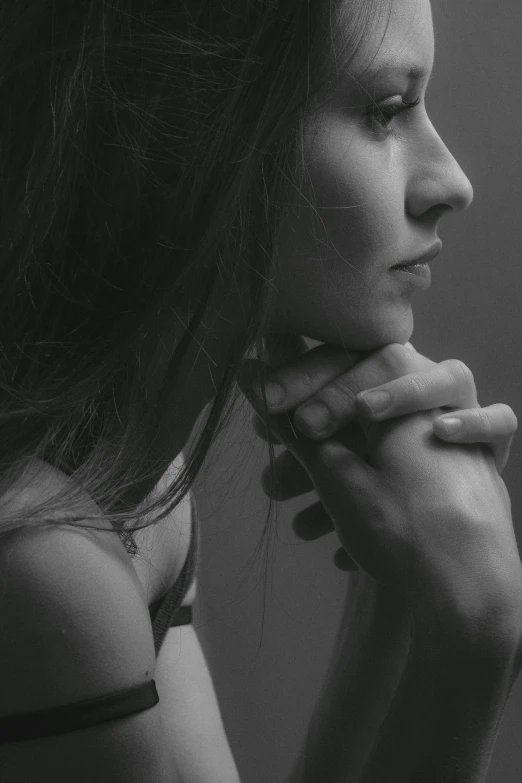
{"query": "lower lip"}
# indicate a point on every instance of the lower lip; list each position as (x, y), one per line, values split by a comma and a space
(416, 274)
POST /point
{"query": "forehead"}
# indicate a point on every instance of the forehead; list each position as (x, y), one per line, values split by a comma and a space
(400, 44)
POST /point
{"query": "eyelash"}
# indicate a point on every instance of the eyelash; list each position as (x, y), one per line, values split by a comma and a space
(389, 113)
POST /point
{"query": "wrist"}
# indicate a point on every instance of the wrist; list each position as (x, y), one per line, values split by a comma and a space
(489, 632)
(444, 720)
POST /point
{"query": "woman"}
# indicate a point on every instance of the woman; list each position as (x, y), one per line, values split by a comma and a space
(164, 171)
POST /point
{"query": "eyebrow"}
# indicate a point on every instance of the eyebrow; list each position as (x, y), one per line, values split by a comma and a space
(413, 71)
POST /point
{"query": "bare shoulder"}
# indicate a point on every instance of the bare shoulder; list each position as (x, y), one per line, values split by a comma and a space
(74, 625)
(63, 589)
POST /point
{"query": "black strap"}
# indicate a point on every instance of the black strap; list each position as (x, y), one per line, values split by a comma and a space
(164, 613)
(80, 715)
(183, 616)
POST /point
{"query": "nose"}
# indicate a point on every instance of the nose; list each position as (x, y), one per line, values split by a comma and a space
(439, 184)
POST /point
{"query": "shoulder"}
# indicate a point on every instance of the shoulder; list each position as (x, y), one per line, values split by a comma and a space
(39, 481)
(74, 620)
(73, 626)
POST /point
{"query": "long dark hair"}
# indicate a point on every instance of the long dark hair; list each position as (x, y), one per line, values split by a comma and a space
(146, 148)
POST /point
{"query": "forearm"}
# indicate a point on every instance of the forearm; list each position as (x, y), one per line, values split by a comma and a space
(368, 660)
(445, 717)
(397, 707)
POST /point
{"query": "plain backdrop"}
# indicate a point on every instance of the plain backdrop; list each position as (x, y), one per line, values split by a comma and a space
(268, 674)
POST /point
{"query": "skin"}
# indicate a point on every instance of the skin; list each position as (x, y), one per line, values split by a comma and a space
(380, 195)
(407, 182)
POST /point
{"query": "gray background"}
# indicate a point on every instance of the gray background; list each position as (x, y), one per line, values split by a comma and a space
(471, 312)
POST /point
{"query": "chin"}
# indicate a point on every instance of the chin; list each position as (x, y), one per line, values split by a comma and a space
(367, 340)
(362, 334)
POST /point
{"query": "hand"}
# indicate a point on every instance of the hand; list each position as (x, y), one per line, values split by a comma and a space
(364, 454)
(335, 378)
(319, 375)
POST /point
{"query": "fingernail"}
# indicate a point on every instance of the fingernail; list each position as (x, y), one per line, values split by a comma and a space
(377, 401)
(314, 415)
(450, 426)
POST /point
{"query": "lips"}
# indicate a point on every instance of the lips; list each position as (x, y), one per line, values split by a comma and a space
(425, 258)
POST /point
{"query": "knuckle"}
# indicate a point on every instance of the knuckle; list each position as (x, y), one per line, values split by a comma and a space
(513, 421)
(395, 357)
(483, 420)
(340, 391)
(330, 452)
(460, 371)
(306, 377)
(509, 416)
(416, 386)
(313, 378)
(338, 397)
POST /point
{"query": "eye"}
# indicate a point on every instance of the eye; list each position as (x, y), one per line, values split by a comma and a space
(380, 117)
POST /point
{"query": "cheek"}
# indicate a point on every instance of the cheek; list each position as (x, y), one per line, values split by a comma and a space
(333, 249)
(322, 292)
(336, 236)
(357, 193)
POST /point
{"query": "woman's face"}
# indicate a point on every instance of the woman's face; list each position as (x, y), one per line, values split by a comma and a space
(379, 191)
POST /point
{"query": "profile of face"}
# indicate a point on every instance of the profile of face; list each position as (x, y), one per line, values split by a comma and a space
(379, 185)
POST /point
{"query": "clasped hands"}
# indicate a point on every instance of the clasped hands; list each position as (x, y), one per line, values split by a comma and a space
(339, 382)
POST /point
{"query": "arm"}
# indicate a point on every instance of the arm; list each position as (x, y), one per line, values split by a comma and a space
(446, 714)
(371, 654)
(406, 711)
(189, 708)
(368, 660)
(74, 625)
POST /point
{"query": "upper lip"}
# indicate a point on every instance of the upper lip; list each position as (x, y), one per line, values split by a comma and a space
(428, 255)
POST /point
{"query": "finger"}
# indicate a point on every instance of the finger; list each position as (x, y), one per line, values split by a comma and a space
(494, 424)
(325, 462)
(297, 380)
(449, 383)
(282, 425)
(288, 480)
(337, 399)
(252, 375)
(343, 561)
(312, 522)
(319, 460)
